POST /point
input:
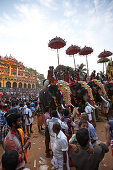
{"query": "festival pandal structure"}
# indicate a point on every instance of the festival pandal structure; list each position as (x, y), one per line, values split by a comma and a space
(13, 74)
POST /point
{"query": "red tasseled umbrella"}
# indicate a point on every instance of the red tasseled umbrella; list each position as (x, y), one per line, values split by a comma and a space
(73, 49)
(105, 54)
(57, 43)
(86, 51)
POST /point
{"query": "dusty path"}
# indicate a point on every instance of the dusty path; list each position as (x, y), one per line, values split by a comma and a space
(38, 149)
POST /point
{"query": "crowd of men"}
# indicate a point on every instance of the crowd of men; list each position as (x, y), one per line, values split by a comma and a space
(54, 75)
(72, 136)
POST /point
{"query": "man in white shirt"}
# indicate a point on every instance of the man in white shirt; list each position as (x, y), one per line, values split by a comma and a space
(50, 123)
(88, 110)
(29, 119)
(60, 149)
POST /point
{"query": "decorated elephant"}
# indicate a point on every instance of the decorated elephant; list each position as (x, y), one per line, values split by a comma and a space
(54, 95)
(81, 95)
(109, 89)
(99, 93)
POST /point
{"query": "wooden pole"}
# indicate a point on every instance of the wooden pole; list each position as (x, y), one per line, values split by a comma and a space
(74, 62)
(87, 68)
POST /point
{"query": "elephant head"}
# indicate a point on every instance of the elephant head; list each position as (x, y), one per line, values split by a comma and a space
(99, 91)
(81, 93)
(50, 96)
(109, 89)
(55, 95)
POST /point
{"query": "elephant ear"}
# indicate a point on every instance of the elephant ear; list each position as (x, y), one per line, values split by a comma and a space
(89, 90)
(66, 92)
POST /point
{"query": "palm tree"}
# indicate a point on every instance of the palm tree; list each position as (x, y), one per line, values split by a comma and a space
(81, 70)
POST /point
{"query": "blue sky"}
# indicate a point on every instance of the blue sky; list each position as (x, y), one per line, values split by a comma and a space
(26, 26)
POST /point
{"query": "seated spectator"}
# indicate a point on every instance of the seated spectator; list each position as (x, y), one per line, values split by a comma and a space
(10, 160)
(82, 160)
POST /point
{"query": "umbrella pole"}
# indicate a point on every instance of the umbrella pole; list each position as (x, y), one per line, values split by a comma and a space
(74, 62)
(87, 68)
(58, 65)
(103, 68)
(58, 57)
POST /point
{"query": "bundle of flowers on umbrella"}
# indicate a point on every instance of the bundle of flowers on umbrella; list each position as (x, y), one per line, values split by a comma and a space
(89, 90)
(63, 86)
(98, 83)
(103, 60)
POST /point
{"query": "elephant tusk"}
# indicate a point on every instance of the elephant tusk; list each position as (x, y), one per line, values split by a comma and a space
(96, 106)
(62, 106)
(72, 105)
(90, 105)
(104, 99)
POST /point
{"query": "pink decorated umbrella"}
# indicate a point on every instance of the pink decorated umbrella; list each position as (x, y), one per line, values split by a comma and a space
(86, 51)
(73, 49)
(57, 43)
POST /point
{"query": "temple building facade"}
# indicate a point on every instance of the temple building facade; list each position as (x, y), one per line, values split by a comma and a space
(13, 74)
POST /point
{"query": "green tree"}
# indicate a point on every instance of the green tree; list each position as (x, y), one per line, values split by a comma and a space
(62, 68)
(82, 70)
(39, 77)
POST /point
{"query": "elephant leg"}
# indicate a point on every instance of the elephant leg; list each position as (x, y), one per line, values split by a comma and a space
(96, 113)
(94, 119)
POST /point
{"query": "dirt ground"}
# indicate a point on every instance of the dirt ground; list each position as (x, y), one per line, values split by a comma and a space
(38, 150)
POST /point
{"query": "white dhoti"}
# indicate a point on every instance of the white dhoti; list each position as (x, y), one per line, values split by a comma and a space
(52, 139)
(58, 163)
(30, 121)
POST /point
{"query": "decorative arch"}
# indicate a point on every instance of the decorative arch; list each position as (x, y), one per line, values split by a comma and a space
(25, 85)
(33, 86)
(8, 84)
(29, 86)
(14, 85)
(20, 85)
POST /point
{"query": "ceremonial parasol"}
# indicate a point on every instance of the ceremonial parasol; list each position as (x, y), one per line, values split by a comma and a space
(73, 49)
(103, 57)
(105, 54)
(86, 51)
(57, 43)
